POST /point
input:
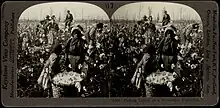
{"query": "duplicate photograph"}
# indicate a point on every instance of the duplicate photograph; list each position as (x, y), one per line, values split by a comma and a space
(54, 59)
(71, 49)
(160, 50)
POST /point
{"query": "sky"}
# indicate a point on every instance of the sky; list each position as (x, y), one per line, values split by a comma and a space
(131, 11)
(90, 11)
(79, 11)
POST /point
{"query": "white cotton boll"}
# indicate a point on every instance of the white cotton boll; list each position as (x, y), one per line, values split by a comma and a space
(188, 60)
(118, 68)
(182, 46)
(172, 66)
(43, 52)
(90, 46)
(101, 66)
(190, 45)
(30, 69)
(101, 55)
(200, 31)
(201, 60)
(91, 79)
(89, 51)
(148, 79)
(188, 65)
(27, 44)
(139, 69)
(24, 67)
(162, 66)
(193, 66)
(190, 75)
(183, 79)
(194, 55)
(41, 40)
(179, 58)
(41, 60)
(47, 50)
(85, 46)
(98, 45)
(182, 52)
(170, 85)
(83, 37)
(78, 86)
(141, 50)
(66, 29)
(84, 88)
(69, 66)
(178, 45)
(79, 66)
(176, 37)
(177, 88)
(86, 57)
(175, 74)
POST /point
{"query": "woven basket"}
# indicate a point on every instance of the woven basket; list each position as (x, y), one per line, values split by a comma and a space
(156, 84)
(63, 82)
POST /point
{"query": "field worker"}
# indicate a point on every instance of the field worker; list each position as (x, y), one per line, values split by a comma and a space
(69, 19)
(37, 30)
(150, 31)
(145, 67)
(168, 48)
(144, 19)
(141, 26)
(166, 18)
(151, 25)
(53, 25)
(188, 32)
(51, 68)
(75, 49)
(46, 20)
(53, 30)
(44, 24)
(92, 34)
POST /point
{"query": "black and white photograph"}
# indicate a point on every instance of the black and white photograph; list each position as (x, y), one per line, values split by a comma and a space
(74, 49)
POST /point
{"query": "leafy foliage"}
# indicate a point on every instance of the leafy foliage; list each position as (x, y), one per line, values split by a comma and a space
(111, 65)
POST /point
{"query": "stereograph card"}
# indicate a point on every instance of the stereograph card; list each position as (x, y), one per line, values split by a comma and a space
(109, 53)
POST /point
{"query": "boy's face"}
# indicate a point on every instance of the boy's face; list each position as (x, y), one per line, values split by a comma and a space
(74, 34)
(99, 30)
(165, 12)
(196, 30)
(150, 19)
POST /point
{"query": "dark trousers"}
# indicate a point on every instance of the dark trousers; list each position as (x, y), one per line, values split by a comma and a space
(67, 23)
(74, 61)
(165, 23)
(167, 61)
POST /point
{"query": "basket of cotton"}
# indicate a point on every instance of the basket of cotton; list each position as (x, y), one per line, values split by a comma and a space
(159, 84)
(66, 83)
